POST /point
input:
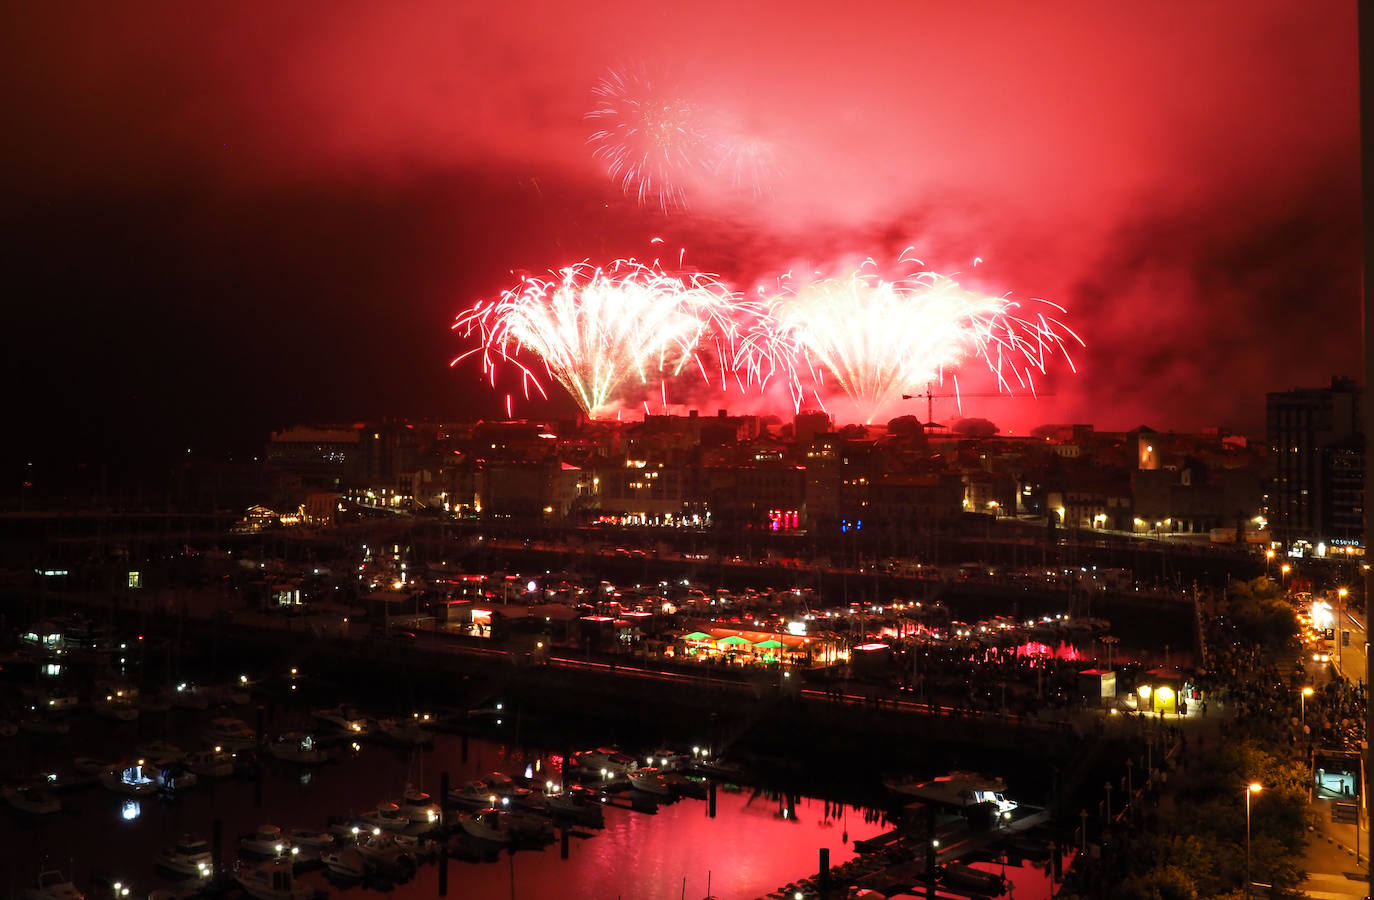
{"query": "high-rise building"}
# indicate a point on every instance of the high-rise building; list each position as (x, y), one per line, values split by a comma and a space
(1316, 459)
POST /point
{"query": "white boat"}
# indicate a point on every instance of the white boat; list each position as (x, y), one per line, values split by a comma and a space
(651, 781)
(174, 777)
(272, 880)
(495, 789)
(346, 862)
(268, 840)
(960, 790)
(593, 763)
(129, 780)
(417, 845)
(116, 707)
(503, 825)
(307, 839)
(32, 801)
(669, 760)
(186, 857)
(405, 733)
(343, 718)
(233, 734)
(297, 748)
(53, 885)
(473, 795)
(419, 808)
(388, 817)
(384, 851)
(160, 752)
(214, 763)
(486, 825)
(347, 829)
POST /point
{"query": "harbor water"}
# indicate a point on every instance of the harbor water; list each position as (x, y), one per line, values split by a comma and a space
(756, 842)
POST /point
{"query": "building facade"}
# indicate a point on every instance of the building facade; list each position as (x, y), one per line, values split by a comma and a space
(1316, 453)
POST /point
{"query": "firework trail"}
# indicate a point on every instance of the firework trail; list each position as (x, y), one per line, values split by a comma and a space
(878, 338)
(597, 330)
(745, 164)
(651, 140)
(657, 144)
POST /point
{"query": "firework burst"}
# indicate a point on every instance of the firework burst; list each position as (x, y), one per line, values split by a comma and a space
(597, 331)
(650, 139)
(879, 337)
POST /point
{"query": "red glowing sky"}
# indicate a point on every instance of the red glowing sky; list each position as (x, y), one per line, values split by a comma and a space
(298, 186)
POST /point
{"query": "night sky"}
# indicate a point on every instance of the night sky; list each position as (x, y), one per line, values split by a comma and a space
(222, 218)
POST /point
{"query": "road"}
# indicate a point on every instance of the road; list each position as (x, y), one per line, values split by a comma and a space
(1352, 661)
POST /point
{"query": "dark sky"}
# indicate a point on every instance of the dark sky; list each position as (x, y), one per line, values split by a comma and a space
(222, 217)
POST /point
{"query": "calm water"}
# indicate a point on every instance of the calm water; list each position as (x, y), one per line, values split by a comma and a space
(747, 850)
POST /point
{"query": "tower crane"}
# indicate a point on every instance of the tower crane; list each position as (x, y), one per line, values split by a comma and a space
(930, 397)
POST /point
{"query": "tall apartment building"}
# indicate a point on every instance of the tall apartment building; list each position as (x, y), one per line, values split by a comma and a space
(1316, 459)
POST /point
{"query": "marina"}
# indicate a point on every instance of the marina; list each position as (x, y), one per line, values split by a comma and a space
(102, 835)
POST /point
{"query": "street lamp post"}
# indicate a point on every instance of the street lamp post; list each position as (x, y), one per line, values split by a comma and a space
(1253, 788)
(1283, 572)
(1341, 594)
(1268, 558)
(1306, 692)
(1111, 641)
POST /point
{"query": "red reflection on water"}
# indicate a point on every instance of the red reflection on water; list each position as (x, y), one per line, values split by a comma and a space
(747, 851)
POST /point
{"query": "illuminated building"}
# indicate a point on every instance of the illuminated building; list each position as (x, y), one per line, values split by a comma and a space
(1316, 454)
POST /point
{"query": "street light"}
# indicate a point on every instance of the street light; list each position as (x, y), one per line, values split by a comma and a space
(1268, 558)
(1341, 594)
(1253, 788)
(1306, 692)
(1283, 571)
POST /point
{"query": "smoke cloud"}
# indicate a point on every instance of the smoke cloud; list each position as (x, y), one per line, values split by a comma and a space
(1181, 177)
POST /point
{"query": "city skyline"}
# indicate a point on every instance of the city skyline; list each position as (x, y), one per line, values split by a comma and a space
(227, 222)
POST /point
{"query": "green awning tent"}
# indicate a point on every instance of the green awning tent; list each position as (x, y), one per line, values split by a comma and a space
(735, 639)
(769, 644)
(697, 636)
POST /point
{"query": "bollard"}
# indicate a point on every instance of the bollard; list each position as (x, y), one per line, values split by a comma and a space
(823, 881)
(563, 843)
(711, 800)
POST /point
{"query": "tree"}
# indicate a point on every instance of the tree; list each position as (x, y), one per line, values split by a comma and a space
(975, 427)
(906, 427)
